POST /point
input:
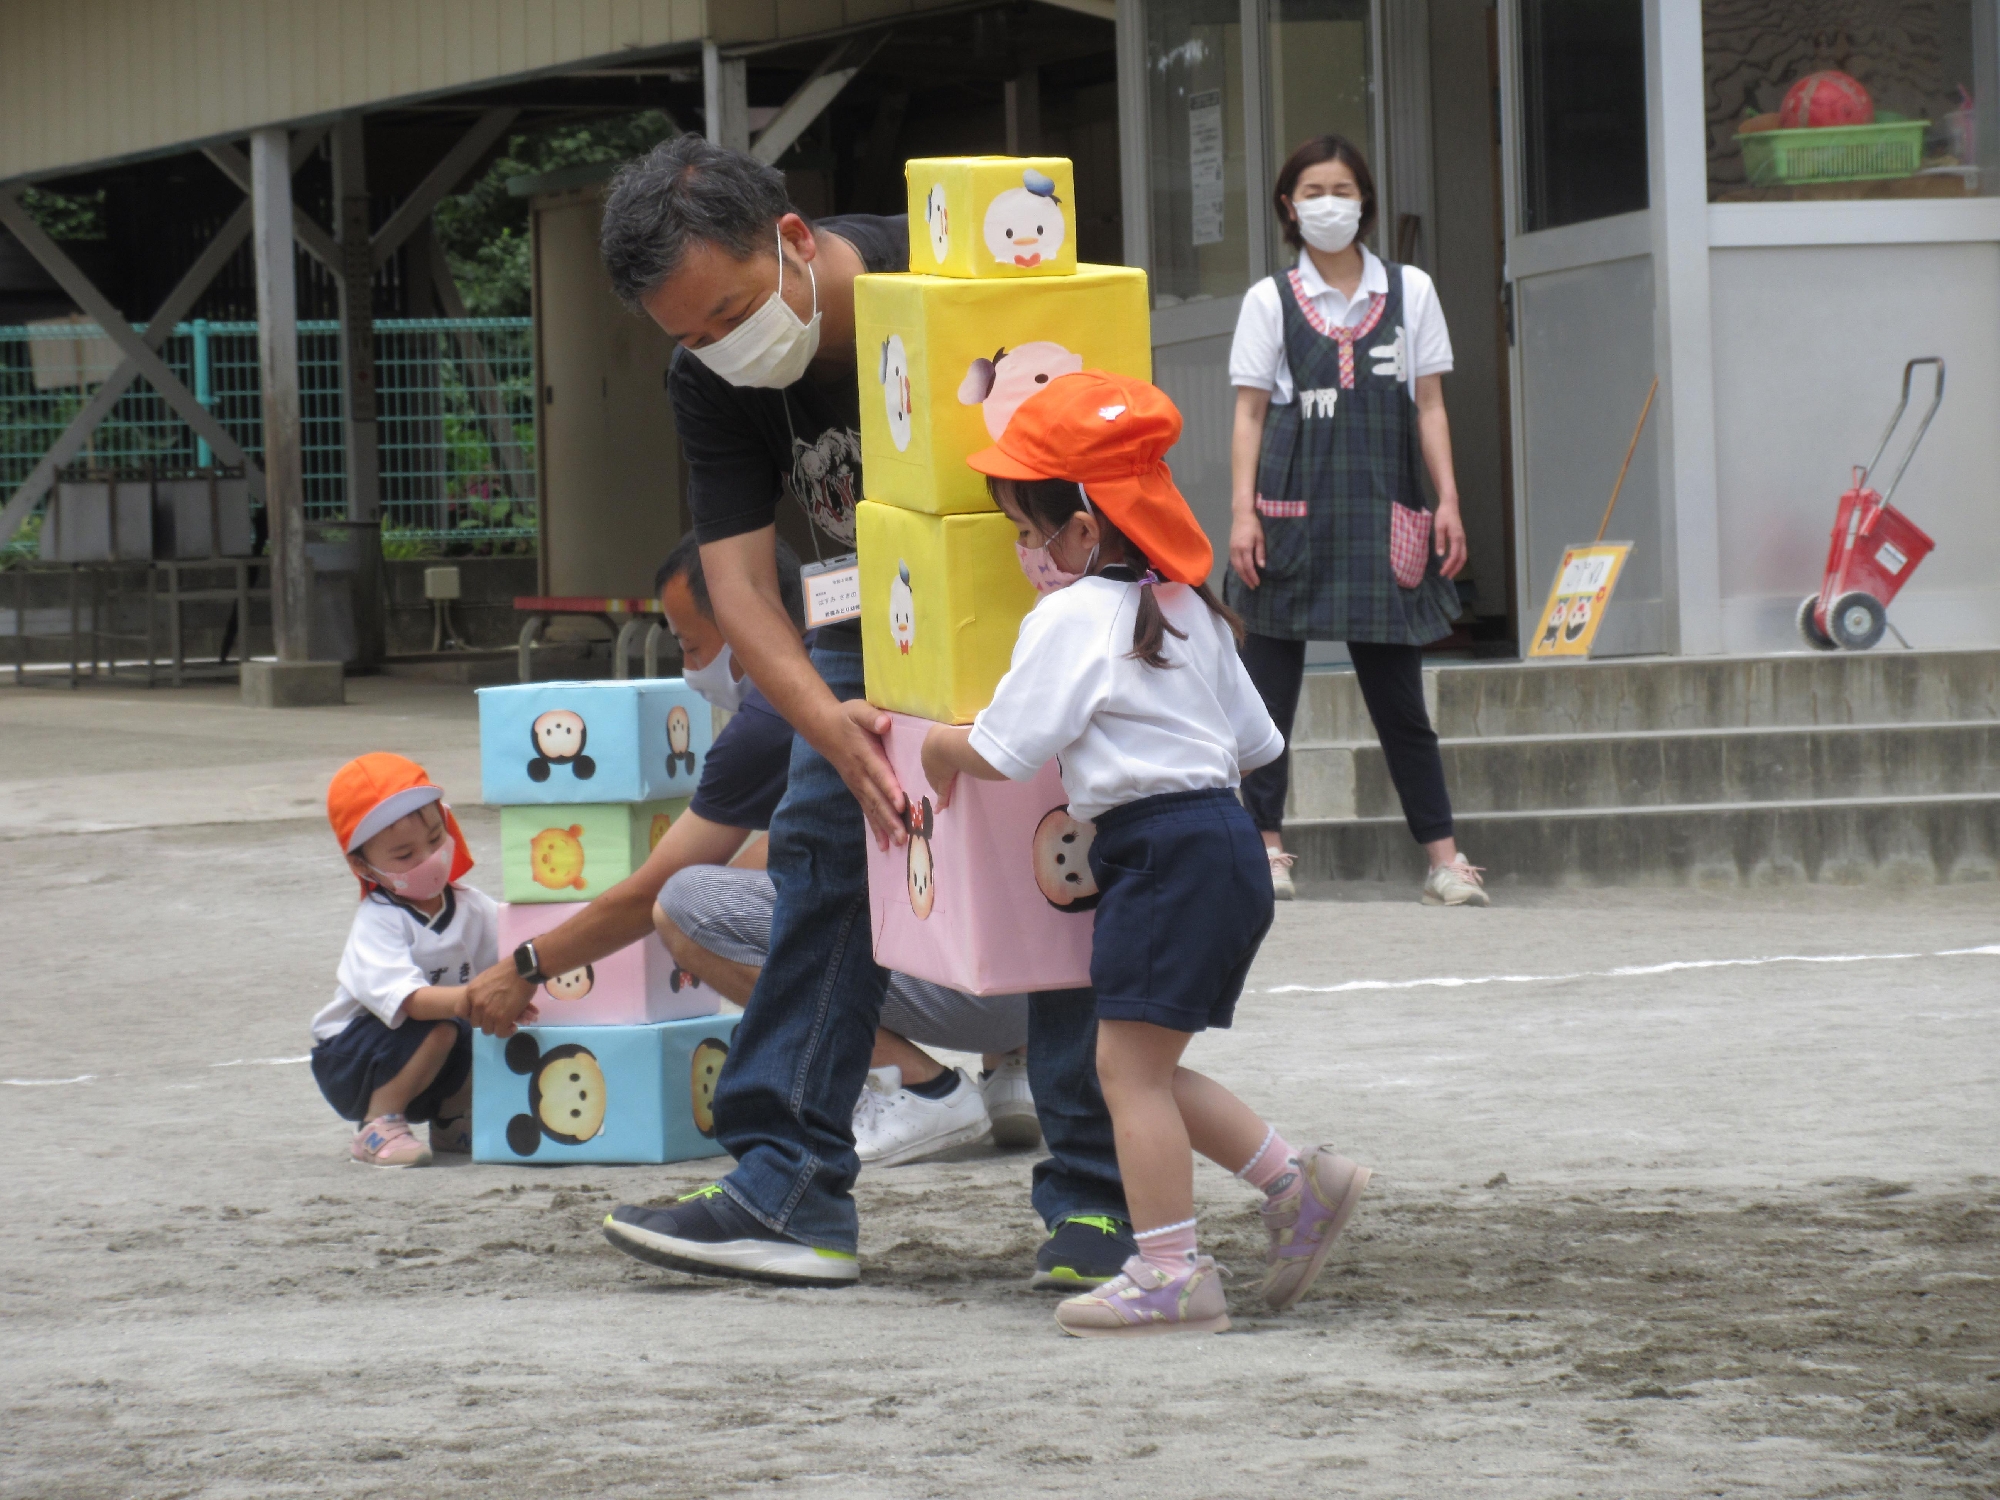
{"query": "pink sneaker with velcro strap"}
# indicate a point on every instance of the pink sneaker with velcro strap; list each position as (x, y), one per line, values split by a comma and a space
(386, 1141)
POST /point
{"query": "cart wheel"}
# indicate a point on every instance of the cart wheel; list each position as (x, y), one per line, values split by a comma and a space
(1856, 621)
(1809, 627)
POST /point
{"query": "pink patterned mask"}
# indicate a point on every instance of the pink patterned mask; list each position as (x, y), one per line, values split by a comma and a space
(1041, 570)
(421, 882)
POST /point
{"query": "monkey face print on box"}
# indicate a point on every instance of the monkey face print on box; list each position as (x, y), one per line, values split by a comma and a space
(947, 361)
(554, 742)
(990, 894)
(942, 599)
(992, 218)
(551, 1094)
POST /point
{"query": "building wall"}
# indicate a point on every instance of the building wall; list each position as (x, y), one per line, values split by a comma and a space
(92, 81)
(1810, 343)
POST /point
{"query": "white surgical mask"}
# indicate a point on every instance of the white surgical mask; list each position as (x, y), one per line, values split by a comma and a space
(771, 347)
(1328, 223)
(717, 682)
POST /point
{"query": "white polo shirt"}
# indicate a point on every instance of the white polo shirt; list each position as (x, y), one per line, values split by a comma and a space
(1122, 729)
(1257, 357)
(393, 950)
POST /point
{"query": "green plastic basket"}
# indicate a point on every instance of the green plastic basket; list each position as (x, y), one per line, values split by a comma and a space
(1833, 153)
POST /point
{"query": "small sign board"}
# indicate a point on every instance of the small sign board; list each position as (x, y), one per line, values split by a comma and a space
(833, 591)
(1584, 581)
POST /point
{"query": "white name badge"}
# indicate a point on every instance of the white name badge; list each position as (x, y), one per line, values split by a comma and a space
(833, 591)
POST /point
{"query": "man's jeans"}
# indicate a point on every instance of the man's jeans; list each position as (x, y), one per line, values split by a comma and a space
(784, 1105)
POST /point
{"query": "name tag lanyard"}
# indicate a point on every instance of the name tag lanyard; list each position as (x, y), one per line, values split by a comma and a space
(832, 585)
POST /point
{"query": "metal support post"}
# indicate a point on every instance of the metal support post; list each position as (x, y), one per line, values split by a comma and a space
(278, 360)
(357, 390)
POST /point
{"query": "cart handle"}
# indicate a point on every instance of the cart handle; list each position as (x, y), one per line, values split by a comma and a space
(1937, 400)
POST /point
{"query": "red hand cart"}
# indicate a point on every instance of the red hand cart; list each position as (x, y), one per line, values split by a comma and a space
(1875, 546)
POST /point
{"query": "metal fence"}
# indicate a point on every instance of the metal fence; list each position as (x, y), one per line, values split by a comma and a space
(455, 401)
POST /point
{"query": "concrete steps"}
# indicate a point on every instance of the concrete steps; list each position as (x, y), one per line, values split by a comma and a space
(1712, 770)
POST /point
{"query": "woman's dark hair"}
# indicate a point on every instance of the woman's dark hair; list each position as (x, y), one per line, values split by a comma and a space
(1049, 503)
(1319, 149)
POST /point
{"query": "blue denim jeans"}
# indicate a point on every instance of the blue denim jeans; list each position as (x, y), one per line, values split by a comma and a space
(784, 1105)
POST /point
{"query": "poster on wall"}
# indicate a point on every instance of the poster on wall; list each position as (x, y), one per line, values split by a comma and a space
(1205, 165)
(1584, 581)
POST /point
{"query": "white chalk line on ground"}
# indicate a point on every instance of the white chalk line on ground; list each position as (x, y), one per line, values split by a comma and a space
(1442, 982)
(234, 1062)
(1627, 971)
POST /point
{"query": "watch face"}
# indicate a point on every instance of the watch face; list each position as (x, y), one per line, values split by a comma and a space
(525, 963)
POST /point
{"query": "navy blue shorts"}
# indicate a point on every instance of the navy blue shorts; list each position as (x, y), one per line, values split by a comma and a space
(351, 1066)
(1185, 904)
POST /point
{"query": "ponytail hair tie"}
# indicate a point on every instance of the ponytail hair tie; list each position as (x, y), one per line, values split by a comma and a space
(1148, 578)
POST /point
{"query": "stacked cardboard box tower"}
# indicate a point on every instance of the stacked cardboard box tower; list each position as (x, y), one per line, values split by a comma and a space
(588, 777)
(993, 893)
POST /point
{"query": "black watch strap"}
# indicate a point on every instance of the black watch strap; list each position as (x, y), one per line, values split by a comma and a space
(527, 964)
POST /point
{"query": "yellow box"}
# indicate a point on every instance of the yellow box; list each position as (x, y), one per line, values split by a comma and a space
(942, 598)
(992, 217)
(944, 363)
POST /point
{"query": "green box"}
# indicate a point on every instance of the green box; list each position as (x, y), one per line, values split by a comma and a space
(1833, 153)
(578, 850)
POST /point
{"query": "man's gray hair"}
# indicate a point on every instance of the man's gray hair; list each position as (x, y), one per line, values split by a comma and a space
(681, 191)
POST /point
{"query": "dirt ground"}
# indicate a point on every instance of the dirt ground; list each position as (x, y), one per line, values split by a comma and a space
(1655, 1215)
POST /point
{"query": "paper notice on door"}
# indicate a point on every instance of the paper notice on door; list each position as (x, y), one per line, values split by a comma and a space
(1205, 165)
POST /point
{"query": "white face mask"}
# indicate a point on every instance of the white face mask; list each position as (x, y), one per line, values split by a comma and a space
(771, 347)
(717, 682)
(1328, 223)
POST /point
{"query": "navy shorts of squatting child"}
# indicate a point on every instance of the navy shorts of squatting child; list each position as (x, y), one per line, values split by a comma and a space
(352, 1065)
(1185, 903)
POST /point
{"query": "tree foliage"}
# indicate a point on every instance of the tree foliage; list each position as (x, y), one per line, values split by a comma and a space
(485, 229)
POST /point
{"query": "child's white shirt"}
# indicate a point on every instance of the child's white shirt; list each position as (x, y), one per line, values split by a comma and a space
(1124, 730)
(394, 950)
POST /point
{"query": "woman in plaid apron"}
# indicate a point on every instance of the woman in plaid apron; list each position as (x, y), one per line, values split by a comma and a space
(1339, 367)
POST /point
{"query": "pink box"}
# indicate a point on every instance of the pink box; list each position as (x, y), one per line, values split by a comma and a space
(635, 986)
(991, 895)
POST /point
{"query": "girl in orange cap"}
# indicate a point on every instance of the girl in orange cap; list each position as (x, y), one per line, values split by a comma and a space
(1127, 672)
(393, 1046)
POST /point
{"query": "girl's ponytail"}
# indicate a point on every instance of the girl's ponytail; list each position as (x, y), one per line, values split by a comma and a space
(1150, 628)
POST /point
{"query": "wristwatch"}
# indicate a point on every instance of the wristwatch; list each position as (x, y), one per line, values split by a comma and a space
(527, 965)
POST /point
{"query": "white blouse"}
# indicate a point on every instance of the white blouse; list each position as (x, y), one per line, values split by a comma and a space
(1257, 357)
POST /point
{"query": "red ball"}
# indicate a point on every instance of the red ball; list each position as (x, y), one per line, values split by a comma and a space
(1828, 98)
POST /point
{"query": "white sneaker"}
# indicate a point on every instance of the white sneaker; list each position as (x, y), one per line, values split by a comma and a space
(893, 1126)
(1456, 884)
(1010, 1103)
(1282, 888)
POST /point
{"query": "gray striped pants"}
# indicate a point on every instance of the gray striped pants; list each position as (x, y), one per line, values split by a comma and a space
(728, 912)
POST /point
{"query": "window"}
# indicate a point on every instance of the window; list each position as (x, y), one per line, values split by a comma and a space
(1322, 83)
(1583, 111)
(1194, 105)
(1887, 98)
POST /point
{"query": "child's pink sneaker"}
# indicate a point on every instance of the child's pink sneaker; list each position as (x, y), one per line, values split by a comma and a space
(1144, 1299)
(452, 1137)
(385, 1141)
(1304, 1226)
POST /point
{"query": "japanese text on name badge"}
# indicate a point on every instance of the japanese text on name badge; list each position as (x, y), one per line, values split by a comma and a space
(833, 591)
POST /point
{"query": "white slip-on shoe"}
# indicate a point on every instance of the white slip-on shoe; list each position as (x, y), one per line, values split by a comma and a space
(1282, 888)
(1010, 1103)
(1456, 884)
(897, 1126)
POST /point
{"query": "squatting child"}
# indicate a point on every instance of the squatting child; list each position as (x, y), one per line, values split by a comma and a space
(393, 1048)
(1127, 671)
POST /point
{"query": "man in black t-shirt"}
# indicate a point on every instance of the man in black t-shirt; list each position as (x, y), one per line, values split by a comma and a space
(766, 398)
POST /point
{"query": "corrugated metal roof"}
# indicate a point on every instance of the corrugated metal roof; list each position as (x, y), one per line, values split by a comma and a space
(84, 82)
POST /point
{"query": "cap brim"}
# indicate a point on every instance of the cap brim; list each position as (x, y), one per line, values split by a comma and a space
(392, 807)
(1000, 464)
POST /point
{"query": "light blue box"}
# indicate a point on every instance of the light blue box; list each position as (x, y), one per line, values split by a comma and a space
(605, 1094)
(544, 742)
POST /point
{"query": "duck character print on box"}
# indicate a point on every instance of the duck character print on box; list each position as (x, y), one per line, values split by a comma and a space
(550, 742)
(992, 217)
(635, 986)
(942, 599)
(990, 894)
(610, 1094)
(577, 852)
(945, 363)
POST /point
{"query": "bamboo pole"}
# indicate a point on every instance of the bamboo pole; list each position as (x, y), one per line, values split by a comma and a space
(1630, 449)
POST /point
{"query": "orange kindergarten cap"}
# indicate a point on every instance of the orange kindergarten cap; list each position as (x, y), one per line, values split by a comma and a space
(372, 791)
(1110, 434)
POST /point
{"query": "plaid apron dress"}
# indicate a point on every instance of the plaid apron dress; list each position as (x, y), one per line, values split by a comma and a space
(1335, 465)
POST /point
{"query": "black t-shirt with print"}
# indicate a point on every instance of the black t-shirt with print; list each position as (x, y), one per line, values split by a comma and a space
(748, 448)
